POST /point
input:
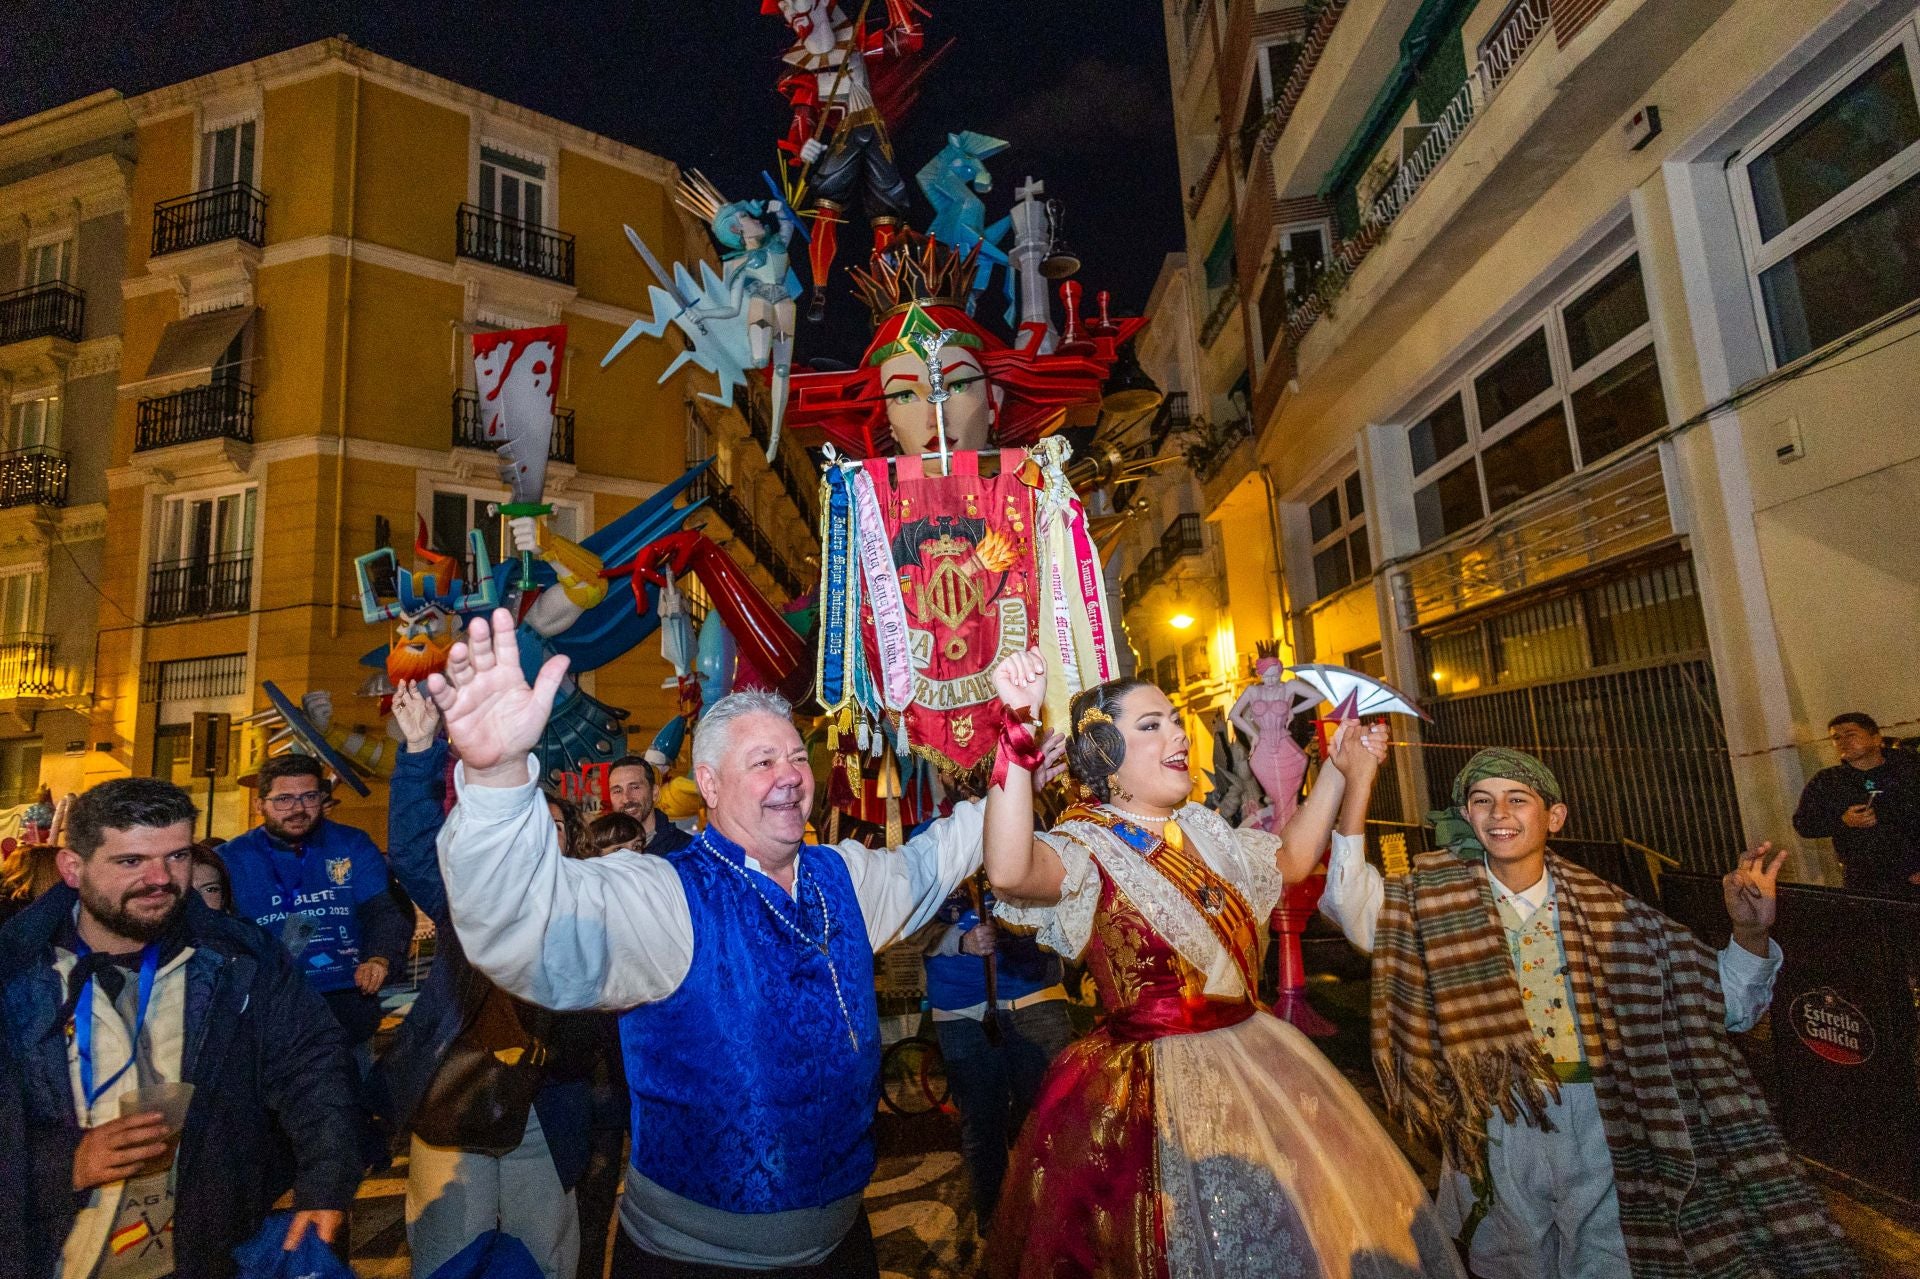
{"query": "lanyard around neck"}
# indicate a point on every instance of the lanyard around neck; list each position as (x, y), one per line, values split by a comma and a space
(83, 1022)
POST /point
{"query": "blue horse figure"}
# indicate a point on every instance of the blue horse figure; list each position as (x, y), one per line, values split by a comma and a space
(954, 180)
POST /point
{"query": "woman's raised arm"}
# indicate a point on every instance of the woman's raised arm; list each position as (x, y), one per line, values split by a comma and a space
(1019, 865)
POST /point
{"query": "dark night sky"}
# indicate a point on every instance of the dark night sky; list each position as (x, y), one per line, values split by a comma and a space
(1078, 86)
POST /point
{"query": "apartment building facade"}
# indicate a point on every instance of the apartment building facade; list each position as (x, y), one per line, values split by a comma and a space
(64, 180)
(297, 253)
(1579, 337)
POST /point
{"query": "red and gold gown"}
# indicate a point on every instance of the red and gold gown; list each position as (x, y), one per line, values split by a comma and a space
(1193, 1135)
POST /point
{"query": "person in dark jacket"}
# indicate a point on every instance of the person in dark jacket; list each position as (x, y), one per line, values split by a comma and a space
(1869, 806)
(632, 787)
(493, 1091)
(121, 979)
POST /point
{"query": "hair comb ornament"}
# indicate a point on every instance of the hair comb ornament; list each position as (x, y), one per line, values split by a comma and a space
(1092, 715)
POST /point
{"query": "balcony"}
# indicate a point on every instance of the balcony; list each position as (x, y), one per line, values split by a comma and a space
(1182, 538)
(1172, 419)
(236, 212)
(200, 587)
(721, 501)
(34, 476)
(1512, 37)
(530, 249)
(27, 668)
(470, 432)
(218, 411)
(52, 310)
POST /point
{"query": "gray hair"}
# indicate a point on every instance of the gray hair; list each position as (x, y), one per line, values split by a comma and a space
(714, 733)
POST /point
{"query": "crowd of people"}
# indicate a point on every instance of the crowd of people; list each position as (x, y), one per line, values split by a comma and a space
(648, 1052)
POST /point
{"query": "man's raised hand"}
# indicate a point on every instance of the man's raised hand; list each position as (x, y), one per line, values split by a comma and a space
(1752, 896)
(493, 717)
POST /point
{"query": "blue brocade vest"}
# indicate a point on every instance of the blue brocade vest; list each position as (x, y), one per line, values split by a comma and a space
(749, 1095)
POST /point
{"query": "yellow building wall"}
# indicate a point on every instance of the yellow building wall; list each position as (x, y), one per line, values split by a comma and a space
(165, 170)
(626, 423)
(294, 346)
(402, 353)
(303, 135)
(412, 172)
(596, 199)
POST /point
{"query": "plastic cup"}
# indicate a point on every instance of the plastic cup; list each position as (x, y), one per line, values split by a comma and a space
(168, 1100)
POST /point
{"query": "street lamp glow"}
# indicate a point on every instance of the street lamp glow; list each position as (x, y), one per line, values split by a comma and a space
(1180, 621)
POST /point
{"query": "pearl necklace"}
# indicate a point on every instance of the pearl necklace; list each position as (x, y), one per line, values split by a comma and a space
(819, 943)
(1136, 818)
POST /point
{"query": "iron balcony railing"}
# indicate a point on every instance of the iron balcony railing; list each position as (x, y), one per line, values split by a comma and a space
(27, 668)
(719, 498)
(52, 310)
(470, 432)
(1172, 419)
(526, 247)
(35, 476)
(1516, 34)
(1182, 538)
(234, 212)
(200, 587)
(219, 410)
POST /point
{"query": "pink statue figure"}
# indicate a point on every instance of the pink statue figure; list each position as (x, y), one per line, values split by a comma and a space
(1262, 715)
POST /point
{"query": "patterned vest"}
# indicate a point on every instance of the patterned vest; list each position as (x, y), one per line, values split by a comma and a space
(1540, 966)
(749, 1093)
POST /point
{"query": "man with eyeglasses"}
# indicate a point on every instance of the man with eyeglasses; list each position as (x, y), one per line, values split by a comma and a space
(323, 889)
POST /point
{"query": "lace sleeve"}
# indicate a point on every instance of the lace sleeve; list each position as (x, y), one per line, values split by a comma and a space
(1064, 927)
(1256, 851)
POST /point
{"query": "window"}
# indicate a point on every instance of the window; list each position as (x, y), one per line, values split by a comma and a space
(1220, 259)
(50, 263)
(1829, 204)
(456, 511)
(22, 599)
(513, 187)
(19, 771)
(1297, 263)
(34, 421)
(226, 155)
(204, 528)
(1337, 521)
(1272, 64)
(1579, 386)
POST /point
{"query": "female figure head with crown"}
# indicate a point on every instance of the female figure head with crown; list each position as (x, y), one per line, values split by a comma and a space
(999, 395)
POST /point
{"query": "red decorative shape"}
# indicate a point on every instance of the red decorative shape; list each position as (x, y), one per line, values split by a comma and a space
(1290, 917)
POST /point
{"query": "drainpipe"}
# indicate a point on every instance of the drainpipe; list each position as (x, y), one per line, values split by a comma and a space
(346, 333)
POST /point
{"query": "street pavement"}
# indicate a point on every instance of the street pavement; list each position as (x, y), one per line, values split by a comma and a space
(923, 1221)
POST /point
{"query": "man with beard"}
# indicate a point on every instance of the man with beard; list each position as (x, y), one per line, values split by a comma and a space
(323, 889)
(751, 1040)
(121, 979)
(631, 788)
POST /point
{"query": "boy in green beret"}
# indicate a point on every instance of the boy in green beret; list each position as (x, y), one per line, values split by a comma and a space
(1565, 1044)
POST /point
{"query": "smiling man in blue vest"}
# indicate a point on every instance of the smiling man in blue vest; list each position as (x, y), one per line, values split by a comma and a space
(745, 961)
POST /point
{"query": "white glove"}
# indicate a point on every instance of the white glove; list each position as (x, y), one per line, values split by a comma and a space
(812, 149)
(525, 530)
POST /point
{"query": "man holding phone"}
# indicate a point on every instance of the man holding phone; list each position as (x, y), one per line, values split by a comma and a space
(1869, 806)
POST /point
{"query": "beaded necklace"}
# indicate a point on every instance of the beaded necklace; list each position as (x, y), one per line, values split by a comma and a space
(1172, 836)
(803, 880)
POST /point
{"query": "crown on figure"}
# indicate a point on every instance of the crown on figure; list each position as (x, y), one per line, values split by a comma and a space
(1264, 649)
(920, 270)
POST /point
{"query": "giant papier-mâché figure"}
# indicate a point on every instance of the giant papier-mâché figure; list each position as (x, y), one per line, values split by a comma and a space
(847, 82)
(739, 318)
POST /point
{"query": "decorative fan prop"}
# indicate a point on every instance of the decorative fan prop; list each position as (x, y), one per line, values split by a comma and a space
(1355, 695)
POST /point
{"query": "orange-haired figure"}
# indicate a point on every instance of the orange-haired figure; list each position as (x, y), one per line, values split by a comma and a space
(422, 643)
(1000, 395)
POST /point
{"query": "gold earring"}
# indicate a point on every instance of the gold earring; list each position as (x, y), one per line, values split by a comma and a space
(1124, 796)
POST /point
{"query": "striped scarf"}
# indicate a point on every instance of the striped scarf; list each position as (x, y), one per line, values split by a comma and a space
(1707, 1187)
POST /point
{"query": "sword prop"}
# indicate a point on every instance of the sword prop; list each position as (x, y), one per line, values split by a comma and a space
(929, 345)
(839, 83)
(666, 282)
